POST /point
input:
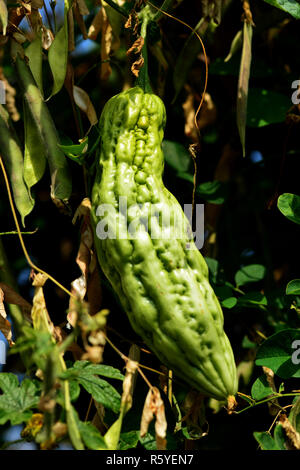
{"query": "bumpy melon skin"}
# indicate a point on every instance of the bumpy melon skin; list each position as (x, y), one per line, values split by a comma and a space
(162, 282)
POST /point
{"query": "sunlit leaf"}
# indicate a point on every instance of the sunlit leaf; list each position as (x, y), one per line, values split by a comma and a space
(289, 206)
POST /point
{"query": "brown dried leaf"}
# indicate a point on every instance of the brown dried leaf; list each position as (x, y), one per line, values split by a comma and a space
(154, 406)
(12, 297)
(80, 20)
(136, 66)
(5, 326)
(130, 378)
(47, 38)
(83, 102)
(83, 9)
(243, 83)
(292, 434)
(37, 4)
(93, 354)
(106, 44)
(136, 46)
(60, 429)
(71, 35)
(39, 313)
(96, 25)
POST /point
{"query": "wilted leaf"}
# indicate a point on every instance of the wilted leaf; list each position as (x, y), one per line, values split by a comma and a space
(12, 297)
(83, 101)
(292, 434)
(154, 406)
(243, 83)
(96, 25)
(106, 43)
(3, 16)
(5, 326)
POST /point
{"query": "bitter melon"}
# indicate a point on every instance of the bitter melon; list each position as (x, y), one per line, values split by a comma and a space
(157, 272)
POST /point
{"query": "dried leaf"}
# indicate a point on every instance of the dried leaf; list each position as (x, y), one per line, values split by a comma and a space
(83, 102)
(154, 406)
(39, 312)
(136, 46)
(136, 66)
(130, 378)
(47, 38)
(106, 43)
(243, 83)
(96, 25)
(80, 21)
(12, 297)
(3, 16)
(71, 38)
(37, 4)
(83, 9)
(5, 326)
(292, 434)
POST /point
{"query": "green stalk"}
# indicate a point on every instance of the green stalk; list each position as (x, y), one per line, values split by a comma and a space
(143, 77)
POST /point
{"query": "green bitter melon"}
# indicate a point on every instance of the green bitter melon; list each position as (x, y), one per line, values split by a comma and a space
(161, 281)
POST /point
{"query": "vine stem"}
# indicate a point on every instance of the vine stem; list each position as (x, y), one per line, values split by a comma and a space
(275, 395)
(204, 53)
(31, 264)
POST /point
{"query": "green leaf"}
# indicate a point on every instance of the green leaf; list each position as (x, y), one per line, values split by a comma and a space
(17, 400)
(34, 151)
(280, 353)
(94, 369)
(261, 389)
(266, 107)
(91, 436)
(84, 373)
(176, 155)
(290, 6)
(289, 206)
(250, 273)
(294, 416)
(35, 56)
(213, 266)
(236, 45)
(266, 441)
(214, 192)
(246, 343)
(58, 55)
(293, 287)
(148, 441)
(230, 302)
(253, 298)
(76, 152)
(279, 437)
(113, 434)
(129, 440)
(13, 160)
